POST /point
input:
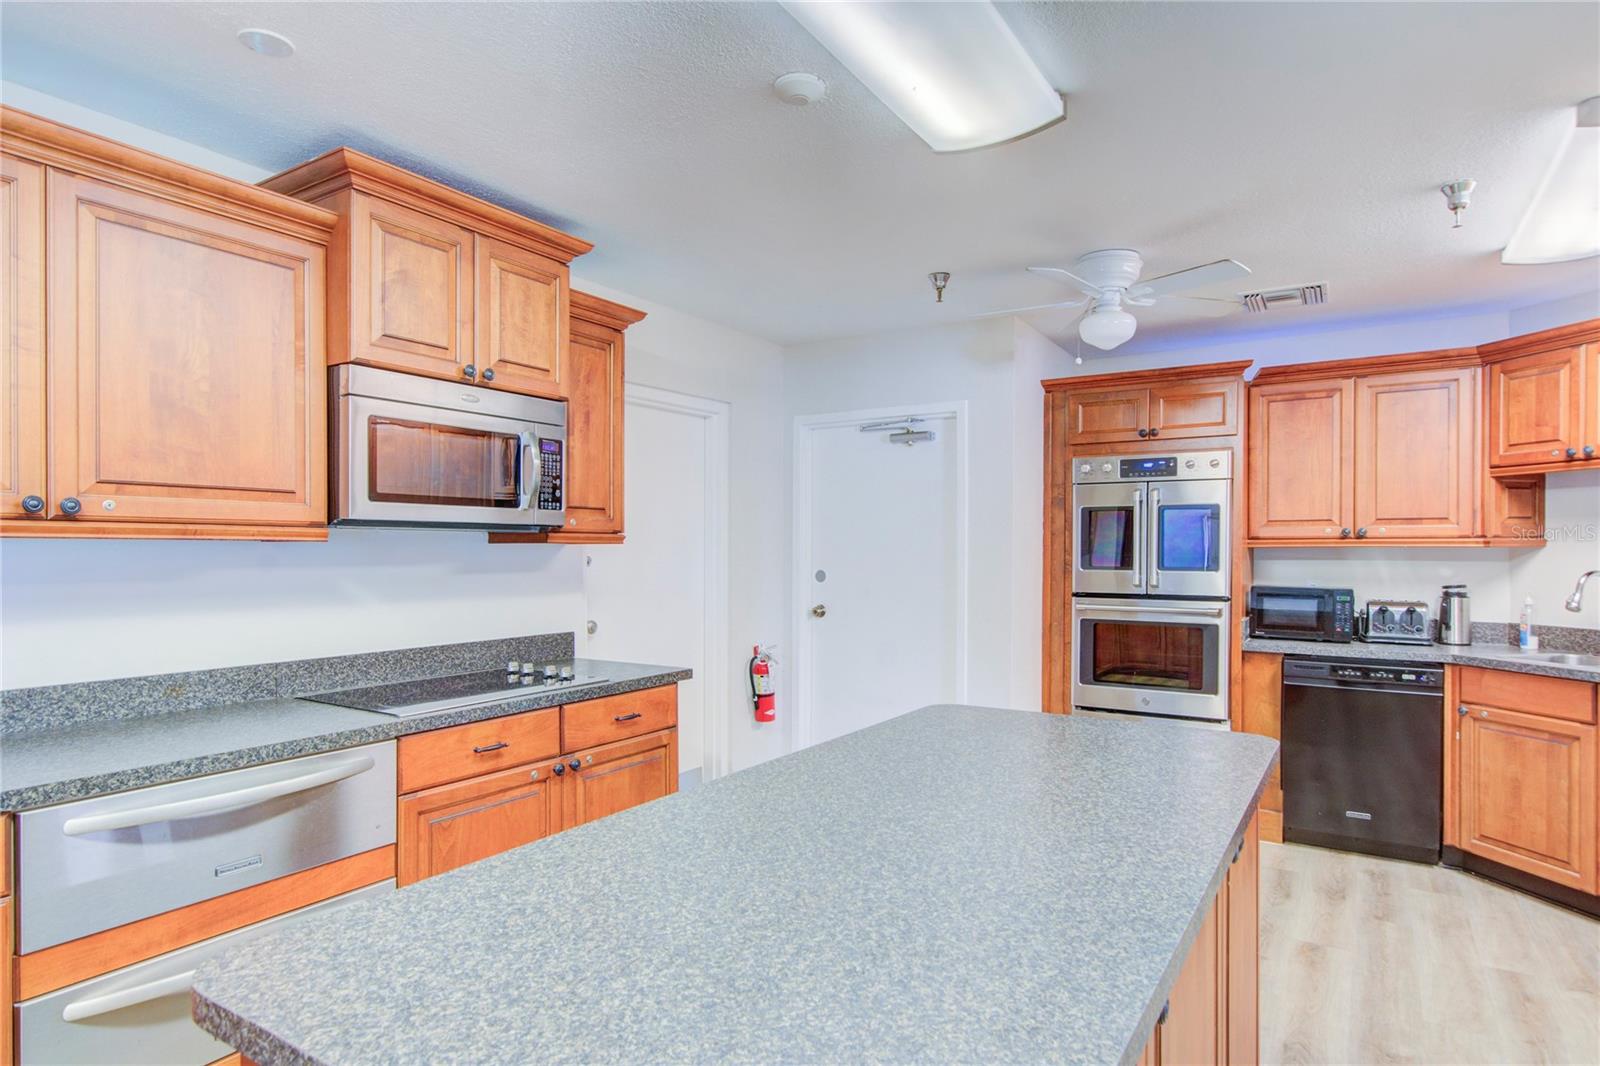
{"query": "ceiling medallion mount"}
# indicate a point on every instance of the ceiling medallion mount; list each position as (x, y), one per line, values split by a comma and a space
(1457, 197)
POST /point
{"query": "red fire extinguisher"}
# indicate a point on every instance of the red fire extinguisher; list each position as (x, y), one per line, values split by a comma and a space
(762, 695)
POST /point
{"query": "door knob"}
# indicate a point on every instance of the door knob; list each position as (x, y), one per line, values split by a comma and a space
(819, 610)
(32, 504)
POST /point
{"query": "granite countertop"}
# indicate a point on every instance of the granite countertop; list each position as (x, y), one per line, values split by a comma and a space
(956, 884)
(79, 756)
(1493, 656)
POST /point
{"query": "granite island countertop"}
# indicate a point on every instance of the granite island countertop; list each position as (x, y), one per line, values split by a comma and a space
(1492, 656)
(956, 884)
(76, 755)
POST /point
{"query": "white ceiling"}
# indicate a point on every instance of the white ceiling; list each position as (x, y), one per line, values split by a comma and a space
(1307, 140)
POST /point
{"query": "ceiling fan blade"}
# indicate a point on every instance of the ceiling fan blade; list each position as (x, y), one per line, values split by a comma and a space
(1091, 289)
(1193, 278)
(1062, 305)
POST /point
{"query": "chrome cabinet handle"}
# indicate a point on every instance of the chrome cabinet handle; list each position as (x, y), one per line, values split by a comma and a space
(93, 1006)
(627, 717)
(487, 748)
(221, 803)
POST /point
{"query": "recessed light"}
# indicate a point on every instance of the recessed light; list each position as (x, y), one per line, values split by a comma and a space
(267, 43)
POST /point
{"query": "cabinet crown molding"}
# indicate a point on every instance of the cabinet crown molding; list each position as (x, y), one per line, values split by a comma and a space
(346, 168)
(1586, 332)
(603, 312)
(1134, 378)
(48, 142)
(1438, 359)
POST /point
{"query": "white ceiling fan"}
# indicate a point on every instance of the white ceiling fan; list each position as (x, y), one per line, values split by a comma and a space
(1109, 280)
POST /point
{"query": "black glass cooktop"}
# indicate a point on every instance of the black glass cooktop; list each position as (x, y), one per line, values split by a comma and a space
(402, 699)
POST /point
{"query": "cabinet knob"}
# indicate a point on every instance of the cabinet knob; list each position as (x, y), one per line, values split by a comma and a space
(1345, 532)
(1361, 532)
(1144, 433)
(488, 373)
(71, 506)
(1155, 432)
(32, 504)
(469, 371)
(575, 764)
(558, 769)
(1462, 710)
(1572, 453)
(1588, 451)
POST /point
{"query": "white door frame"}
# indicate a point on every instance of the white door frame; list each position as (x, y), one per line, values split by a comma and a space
(801, 589)
(715, 413)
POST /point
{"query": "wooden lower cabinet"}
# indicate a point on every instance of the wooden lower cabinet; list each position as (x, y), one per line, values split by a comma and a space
(1527, 793)
(7, 992)
(1212, 1012)
(1261, 712)
(622, 775)
(448, 826)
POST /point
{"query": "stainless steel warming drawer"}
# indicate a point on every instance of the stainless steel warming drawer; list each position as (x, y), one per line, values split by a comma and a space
(100, 863)
(140, 1015)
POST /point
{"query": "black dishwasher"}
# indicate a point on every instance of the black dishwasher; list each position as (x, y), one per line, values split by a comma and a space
(1363, 750)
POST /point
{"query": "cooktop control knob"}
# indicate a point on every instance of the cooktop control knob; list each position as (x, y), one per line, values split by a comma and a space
(567, 673)
(551, 673)
(513, 667)
(529, 669)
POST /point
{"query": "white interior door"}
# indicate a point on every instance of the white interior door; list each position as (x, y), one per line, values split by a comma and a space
(651, 598)
(882, 581)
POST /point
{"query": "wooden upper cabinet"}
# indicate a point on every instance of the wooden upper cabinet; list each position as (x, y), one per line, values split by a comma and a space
(429, 280)
(410, 294)
(595, 379)
(1527, 793)
(1416, 459)
(617, 776)
(1591, 401)
(1536, 407)
(186, 362)
(1104, 417)
(22, 393)
(1302, 440)
(522, 306)
(1194, 409)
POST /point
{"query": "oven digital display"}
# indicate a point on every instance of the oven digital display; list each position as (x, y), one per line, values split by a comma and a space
(1153, 466)
(550, 447)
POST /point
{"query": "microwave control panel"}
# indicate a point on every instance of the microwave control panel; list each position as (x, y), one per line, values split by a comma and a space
(549, 475)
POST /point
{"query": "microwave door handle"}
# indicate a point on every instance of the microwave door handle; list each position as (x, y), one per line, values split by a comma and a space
(1153, 536)
(529, 445)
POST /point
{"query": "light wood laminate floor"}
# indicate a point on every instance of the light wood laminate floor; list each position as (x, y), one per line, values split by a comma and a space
(1367, 960)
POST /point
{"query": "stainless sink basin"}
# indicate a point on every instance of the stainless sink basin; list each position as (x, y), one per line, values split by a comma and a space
(1562, 658)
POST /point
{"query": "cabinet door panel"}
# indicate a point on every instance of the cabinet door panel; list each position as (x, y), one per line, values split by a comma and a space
(594, 429)
(1535, 407)
(622, 775)
(521, 318)
(22, 391)
(1193, 1032)
(1301, 453)
(1242, 937)
(411, 289)
(1528, 793)
(1206, 409)
(1416, 454)
(453, 825)
(1099, 417)
(187, 371)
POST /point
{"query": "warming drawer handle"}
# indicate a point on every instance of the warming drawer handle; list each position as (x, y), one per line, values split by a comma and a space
(93, 1006)
(221, 803)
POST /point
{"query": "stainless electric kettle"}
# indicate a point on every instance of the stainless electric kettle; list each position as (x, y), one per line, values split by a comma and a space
(1455, 616)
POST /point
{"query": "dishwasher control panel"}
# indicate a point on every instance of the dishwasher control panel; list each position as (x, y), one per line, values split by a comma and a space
(1423, 676)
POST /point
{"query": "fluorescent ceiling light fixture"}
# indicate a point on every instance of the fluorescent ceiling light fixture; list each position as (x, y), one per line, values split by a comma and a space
(953, 72)
(1563, 222)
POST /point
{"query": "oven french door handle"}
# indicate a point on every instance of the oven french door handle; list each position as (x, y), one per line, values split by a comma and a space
(1138, 536)
(1207, 612)
(94, 1006)
(1152, 535)
(529, 443)
(219, 803)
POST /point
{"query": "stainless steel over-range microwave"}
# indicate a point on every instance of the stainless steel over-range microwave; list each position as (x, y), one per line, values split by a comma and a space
(416, 451)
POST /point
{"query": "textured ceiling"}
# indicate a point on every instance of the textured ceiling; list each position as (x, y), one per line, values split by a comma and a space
(1306, 140)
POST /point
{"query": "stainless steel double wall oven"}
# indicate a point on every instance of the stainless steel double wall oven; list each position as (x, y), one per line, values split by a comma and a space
(1151, 581)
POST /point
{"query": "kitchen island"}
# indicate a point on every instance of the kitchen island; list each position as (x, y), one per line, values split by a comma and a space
(959, 883)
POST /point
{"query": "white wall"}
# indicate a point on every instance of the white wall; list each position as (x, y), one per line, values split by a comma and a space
(98, 609)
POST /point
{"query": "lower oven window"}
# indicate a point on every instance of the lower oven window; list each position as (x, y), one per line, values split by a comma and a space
(1151, 655)
(420, 462)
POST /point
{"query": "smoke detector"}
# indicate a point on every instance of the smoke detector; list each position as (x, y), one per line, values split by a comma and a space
(799, 88)
(1296, 295)
(266, 43)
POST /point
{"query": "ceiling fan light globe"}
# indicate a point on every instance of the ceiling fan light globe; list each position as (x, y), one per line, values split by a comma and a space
(1107, 327)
